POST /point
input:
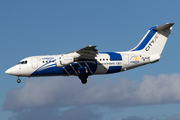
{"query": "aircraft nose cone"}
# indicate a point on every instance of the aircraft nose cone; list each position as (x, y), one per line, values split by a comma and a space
(8, 71)
(13, 71)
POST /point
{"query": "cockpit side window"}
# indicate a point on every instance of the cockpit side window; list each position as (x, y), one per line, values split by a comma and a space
(23, 62)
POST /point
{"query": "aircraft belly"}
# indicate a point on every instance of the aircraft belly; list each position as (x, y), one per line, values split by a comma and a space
(106, 69)
(71, 69)
(101, 69)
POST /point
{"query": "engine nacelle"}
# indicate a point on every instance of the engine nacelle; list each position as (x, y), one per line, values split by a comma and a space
(64, 60)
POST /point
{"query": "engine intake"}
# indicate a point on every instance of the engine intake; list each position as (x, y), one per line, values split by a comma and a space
(64, 60)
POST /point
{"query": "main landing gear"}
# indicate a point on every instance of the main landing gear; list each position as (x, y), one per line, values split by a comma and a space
(83, 78)
(18, 80)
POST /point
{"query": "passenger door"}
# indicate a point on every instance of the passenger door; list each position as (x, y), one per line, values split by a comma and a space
(126, 60)
(34, 62)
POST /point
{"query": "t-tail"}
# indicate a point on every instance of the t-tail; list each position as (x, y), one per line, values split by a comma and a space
(154, 40)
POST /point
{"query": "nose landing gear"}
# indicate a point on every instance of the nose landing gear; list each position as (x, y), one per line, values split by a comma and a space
(18, 80)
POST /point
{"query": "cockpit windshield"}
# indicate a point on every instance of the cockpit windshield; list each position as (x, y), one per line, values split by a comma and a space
(23, 62)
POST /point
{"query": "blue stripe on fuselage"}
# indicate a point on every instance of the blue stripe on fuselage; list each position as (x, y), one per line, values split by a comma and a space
(51, 71)
(114, 56)
(114, 69)
(92, 66)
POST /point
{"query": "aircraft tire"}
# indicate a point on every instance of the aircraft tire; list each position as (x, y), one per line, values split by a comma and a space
(84, 81)
(18, 81)
(83, 78)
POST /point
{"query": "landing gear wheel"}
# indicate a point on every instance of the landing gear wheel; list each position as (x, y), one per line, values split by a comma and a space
(83, 78)
(84, 81)
(18, 81)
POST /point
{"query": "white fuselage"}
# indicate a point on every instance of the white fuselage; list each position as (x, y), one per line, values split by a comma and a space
(104, 63)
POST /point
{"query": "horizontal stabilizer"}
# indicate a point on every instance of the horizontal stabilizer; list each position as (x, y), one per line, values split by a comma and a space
(164, 27)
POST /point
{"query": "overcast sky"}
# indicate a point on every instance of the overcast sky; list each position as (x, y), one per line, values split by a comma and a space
(29, 28)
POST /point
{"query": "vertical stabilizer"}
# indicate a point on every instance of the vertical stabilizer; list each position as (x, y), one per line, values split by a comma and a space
(155, 39)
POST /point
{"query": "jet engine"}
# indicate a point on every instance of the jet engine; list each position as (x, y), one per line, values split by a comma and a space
(64, 60)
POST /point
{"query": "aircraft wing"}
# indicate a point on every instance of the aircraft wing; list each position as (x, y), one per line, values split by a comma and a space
(88, 52)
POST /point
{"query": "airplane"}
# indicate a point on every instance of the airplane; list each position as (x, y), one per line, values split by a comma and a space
(87, 61)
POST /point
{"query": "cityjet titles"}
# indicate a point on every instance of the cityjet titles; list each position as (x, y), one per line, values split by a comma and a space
(152, 42)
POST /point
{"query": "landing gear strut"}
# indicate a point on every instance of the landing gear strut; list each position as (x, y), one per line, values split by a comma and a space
(83, 78)
(18, 80)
